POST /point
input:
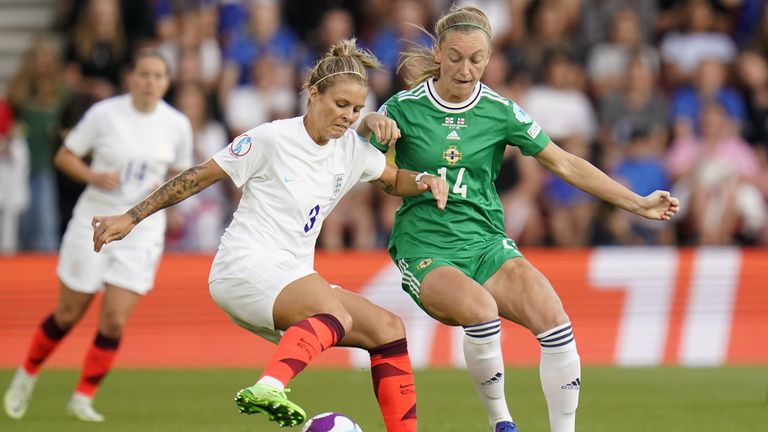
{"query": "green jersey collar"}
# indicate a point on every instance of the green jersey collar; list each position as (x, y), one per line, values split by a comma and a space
(452, 107)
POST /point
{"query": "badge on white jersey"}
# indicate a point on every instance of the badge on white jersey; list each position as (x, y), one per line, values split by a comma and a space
(240, 146)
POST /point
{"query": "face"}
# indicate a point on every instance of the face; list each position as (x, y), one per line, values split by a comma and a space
(332, 112)
(148, 81)
(463, 56)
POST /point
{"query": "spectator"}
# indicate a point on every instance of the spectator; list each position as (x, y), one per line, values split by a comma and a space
(14, 172)
(571, 212)
(197, 224)
(597, 17)
(607, 62)
(641, 169)
(682, 52)
(37, 94)
(715, 173)
(709, 85)
(97, 49)
(638, 105)
(264, 36)
(558, 105)
(549, 31)
(194, 36)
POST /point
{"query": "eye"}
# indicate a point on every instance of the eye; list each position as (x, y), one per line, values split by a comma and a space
(341, 104)
(454, 59)
(358, 109)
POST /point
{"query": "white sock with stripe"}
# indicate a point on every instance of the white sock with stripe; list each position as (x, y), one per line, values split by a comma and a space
(482, 351)
(560, 371)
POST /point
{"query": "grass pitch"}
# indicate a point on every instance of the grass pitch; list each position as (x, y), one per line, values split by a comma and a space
(612, 400)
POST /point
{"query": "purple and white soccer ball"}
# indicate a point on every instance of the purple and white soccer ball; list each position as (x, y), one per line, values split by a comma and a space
(331, 422)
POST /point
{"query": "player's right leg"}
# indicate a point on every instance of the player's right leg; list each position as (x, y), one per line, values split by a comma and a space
(453, 298)
(70, 308)
(266, 296)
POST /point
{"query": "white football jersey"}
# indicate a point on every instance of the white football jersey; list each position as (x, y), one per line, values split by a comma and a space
(290, 185)
(142, 147)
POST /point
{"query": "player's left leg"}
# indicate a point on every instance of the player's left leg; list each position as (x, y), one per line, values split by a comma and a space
(382, 334)
(526, 297)
(116, 307)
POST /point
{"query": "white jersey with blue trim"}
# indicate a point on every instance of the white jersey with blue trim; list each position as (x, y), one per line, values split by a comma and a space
(290, 184)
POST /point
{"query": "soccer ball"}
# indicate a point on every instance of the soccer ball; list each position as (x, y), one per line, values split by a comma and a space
(331, 422)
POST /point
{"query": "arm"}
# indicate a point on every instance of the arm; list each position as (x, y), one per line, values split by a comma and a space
(184, 185)
(400, 182)
(384, 128)
(585, 176)
(74, 167)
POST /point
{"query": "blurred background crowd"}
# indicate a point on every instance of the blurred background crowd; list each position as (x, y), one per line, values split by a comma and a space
(660, 94)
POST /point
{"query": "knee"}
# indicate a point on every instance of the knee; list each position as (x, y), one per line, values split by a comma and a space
(478, 310)
(67, 315)
(112, 323)
(391, 328)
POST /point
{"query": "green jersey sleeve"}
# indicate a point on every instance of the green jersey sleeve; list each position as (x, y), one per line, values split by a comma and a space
(391, 110)
(524, 132)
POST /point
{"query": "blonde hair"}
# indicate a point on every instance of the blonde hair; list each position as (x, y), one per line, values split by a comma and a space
(27, 84)
(343, 59)
(418, 62)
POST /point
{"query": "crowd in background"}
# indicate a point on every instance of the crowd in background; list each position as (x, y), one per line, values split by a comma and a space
(660, 94)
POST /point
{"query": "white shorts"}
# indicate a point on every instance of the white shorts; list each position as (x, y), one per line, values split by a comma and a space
(247, 291)
(127, 264)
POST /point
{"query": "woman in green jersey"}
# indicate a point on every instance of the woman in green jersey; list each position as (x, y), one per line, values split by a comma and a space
(458, 264)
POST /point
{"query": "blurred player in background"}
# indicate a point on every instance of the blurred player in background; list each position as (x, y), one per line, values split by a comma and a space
(458, 265)
(135, 140)
(293, 173)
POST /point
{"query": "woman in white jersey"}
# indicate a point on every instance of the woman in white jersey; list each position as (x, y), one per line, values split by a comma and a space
(135, 140)
(293, 173)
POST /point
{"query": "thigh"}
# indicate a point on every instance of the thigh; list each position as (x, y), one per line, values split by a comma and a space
(132, 266)
(71, 305)
(116, 307)
(79, 267)
(525, 296)
(249, 293)
(372, 325)
(453, 298)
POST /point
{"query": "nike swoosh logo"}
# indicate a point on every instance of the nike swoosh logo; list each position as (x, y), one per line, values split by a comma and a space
(288, 179)
(405, 385)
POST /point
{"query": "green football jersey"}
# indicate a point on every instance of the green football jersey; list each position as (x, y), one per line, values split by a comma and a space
(464, 143)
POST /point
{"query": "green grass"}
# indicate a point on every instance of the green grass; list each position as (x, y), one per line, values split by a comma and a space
(613, 399)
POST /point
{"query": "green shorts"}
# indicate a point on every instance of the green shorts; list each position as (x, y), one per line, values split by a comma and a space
(480, 268)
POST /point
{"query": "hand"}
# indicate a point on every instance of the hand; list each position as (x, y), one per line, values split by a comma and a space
(437, 185)
(384, 128)
(110, 228)
(659, 205)
(106, 180)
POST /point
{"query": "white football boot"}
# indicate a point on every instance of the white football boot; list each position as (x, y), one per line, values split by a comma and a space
(81, 408)
(19, 393)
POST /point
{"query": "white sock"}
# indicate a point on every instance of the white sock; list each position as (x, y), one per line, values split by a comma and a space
(272, 382)
(482, 351)
(560, 371)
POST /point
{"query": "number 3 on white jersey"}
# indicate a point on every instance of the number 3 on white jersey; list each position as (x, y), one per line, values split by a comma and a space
(458, 188)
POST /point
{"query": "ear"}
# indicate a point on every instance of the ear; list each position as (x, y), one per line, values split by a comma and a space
(436, 53)
(312, 93)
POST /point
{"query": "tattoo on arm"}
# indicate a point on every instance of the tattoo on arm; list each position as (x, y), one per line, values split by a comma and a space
(385, 186)
(174, 190)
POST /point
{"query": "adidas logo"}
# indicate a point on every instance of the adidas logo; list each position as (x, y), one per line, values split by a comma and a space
(453, 136)
(494, 379)
(573, 385)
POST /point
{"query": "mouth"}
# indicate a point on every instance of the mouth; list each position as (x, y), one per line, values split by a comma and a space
(462, 82)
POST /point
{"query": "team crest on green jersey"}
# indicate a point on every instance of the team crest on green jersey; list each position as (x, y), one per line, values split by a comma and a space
(424, 263)
(452, 155)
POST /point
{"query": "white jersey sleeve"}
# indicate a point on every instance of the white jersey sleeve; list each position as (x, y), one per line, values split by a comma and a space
(373, 161)
(81, 138)
(184, 148)
(248, 154)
